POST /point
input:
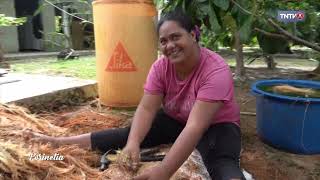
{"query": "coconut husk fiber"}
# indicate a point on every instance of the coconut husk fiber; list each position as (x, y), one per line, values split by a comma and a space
(86, 120)
(295, 91)
(77, 163)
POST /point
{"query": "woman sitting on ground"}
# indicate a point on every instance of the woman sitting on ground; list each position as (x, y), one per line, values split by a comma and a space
(195, 88)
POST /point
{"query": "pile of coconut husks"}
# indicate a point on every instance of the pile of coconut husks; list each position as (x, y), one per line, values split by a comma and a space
(22, 159)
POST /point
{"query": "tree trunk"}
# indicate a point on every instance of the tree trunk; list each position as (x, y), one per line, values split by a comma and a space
(1, 54)
(3, 64)
(240, 69)
(66, 27)
(270, 62)
(1, 51)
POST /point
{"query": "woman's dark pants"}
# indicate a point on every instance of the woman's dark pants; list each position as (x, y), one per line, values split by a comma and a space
(219, 147)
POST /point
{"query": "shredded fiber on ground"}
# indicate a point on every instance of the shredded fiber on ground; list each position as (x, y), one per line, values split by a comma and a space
(77, 163)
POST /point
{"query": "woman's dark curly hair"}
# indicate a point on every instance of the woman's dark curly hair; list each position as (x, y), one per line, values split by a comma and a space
(182, 19)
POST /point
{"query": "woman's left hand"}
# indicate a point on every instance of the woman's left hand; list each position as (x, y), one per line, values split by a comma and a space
(155, 173)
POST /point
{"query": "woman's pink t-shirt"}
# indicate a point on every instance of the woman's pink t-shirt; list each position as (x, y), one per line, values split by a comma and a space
(210, 81)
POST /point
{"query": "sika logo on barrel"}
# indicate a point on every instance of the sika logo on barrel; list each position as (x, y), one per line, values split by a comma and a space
(120, 61)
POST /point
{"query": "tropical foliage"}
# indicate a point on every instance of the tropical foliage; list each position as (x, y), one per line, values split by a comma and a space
(10, 21)
(236, 22)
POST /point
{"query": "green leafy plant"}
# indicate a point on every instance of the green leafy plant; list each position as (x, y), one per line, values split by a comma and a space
(224, 22)
(234, 23)
(10, 21)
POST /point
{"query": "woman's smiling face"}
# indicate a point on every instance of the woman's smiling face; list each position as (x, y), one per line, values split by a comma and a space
(175, 42)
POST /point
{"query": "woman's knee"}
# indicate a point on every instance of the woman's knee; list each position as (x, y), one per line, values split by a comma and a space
(220, 151)
(226, 169)
(109, 139)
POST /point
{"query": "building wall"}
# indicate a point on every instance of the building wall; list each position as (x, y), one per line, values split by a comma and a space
(8, 35)
(48, 21)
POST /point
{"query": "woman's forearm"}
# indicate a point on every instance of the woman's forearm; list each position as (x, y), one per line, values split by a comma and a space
(182, 148)
(198, 122)
(143, 118)
(141, 124)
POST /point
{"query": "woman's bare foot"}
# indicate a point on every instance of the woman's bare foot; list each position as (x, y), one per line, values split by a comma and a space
(39, 138)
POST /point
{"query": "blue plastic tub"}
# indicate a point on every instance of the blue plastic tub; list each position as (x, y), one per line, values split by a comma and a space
(288, 123)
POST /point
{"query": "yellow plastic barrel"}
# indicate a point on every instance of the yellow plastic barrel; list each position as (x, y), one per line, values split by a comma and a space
(126, 47)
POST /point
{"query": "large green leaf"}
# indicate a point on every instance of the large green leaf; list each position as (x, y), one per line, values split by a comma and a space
(239, 14)
(245, 30)
(215, 26)
(229, 21)
(223, 4)
(202, 1)
(235, 13)
(204, 8)
(272, 12)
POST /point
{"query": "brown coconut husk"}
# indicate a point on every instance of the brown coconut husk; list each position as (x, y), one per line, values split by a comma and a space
(78, 163)
(15, 151)
(20, 119)
(15, 162)
(86, 121)
(291, 90)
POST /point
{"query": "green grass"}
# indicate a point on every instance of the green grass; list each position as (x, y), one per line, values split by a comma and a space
(84, 67)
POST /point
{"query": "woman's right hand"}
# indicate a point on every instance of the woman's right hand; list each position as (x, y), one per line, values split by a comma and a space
(130, 156)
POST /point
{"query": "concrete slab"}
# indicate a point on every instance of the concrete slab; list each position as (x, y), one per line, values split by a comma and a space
(33, 89)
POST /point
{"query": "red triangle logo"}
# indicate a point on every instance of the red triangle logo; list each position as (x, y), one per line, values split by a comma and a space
(120, 61)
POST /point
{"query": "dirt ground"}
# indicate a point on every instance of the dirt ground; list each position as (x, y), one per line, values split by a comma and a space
(264, 161)
(261, 160)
